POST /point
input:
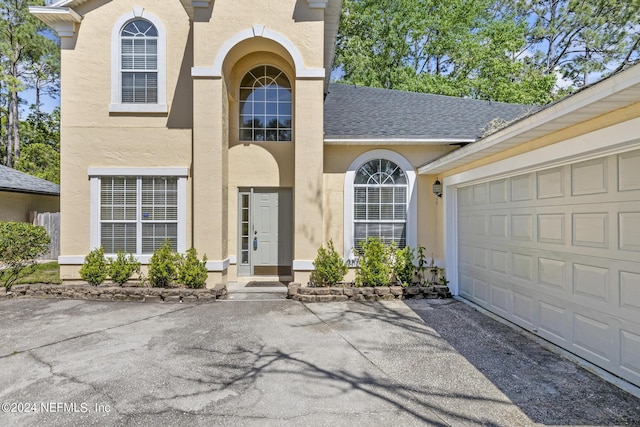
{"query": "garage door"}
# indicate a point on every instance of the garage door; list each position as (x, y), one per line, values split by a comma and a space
(557, 251)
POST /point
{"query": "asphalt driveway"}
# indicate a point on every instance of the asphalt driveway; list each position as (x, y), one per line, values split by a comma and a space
(279, 362)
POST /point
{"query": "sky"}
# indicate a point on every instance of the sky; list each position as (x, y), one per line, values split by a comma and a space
(48, 103)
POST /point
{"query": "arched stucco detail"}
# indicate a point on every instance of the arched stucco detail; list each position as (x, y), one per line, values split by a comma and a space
(412, 198)
(215, 70)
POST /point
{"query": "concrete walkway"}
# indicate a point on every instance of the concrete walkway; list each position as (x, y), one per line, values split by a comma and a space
(279, 362)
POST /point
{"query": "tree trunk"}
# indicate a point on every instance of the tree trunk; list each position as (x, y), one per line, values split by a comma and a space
(4, 132)
(15, 126)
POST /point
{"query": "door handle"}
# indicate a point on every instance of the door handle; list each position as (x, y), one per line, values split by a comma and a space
(255, 243)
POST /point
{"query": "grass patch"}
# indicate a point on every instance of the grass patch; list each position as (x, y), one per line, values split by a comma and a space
(48, 272)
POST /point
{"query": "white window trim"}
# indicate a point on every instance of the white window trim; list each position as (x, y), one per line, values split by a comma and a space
(412, 199)
(116, 105)
(94, 183)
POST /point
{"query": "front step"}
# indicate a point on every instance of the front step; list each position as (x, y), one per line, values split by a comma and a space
(238, 291)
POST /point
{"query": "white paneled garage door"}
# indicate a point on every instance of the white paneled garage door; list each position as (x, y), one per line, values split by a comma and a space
(557, 251)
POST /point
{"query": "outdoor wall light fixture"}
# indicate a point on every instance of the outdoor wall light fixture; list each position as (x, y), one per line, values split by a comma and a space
(437, 188)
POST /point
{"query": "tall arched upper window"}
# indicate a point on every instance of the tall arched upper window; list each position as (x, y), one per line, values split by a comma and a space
(139, 62)
(380, 203)
(265, 105)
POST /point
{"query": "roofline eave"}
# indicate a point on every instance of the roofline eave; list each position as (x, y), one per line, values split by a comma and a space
(333, 140)
(575, 108)
(25, 191)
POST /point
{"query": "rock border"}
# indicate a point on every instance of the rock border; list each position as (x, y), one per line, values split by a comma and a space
(301, 293)
(115, 293)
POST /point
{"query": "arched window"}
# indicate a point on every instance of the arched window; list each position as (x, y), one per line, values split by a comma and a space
(139, 62)
(380, 203)
(265, 105)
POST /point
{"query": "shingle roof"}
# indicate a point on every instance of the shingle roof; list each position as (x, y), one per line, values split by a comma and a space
(16, 181)
(356, 112)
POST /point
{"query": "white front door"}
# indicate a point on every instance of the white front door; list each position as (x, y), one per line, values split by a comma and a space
(265, 232)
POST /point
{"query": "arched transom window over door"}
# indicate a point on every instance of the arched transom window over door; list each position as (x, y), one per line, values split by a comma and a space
(380, 203)
(265, 105)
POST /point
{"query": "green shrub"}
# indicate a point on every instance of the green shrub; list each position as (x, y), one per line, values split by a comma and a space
(442, 278)
(20, 245)
(191, 272)
(375, 266)
(163, 266)
(330, 268)
(403, 265)
(122, 268)
(422, 265)
(95, 268)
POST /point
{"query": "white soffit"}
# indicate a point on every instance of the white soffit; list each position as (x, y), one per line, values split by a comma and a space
(606, 96)
(52, 15)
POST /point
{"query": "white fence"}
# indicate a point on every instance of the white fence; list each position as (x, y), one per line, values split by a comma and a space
(51, 223)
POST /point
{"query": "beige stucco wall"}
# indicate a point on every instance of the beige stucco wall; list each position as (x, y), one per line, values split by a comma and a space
(93, 137)
(291, 18)
(202, 138)
(16, 206)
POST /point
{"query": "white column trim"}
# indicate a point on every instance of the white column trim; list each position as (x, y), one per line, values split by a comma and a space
(133, 171)
(71, 259)
(218, 265)
(303, 265)
(317, 4)
(182, 214)
(94, 213)
(450, 241)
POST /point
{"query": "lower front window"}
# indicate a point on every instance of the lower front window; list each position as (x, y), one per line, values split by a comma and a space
(138, 214)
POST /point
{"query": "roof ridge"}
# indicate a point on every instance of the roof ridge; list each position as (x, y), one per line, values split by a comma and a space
(403, 91)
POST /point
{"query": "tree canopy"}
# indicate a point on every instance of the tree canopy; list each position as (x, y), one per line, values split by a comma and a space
(29, 59)
(522, 51)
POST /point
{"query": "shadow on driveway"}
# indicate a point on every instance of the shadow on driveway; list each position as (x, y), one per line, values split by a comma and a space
(548, 388)
(279, 362)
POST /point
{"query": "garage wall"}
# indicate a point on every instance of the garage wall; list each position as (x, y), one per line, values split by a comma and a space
(16, 206)
(557, 251)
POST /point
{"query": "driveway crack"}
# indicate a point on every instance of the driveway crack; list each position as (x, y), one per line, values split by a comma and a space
(88, 334)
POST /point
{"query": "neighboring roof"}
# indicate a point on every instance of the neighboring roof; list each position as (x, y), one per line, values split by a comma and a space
(364, 113)
(20, 182)
(610, 94)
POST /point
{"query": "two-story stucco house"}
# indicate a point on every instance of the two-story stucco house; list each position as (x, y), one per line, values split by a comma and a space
(213, 124)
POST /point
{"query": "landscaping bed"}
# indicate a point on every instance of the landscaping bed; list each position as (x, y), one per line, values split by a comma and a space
(116, 293)
(365, 293)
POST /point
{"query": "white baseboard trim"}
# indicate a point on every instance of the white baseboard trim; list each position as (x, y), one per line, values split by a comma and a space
(218, 265)
(303, 265)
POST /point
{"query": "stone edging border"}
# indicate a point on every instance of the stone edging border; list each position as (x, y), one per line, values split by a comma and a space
(301, 293)
(115, 293)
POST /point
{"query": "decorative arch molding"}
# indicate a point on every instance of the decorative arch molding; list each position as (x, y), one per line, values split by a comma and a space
(215, 71)
(412, 198)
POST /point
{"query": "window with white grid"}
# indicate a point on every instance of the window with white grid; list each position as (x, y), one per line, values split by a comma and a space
(139, 62)
(380, 203)
(138, 214)
(265, 105)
